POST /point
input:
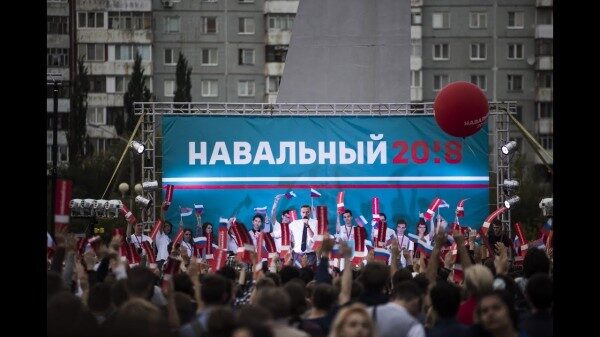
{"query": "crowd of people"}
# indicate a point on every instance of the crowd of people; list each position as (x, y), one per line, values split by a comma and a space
(297, 280)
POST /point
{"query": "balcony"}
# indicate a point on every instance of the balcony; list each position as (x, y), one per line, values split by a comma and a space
(543, 3)
(544, 126)
(416, 62)
(117, 68)
(416, 94)
(544, 63)
(281, 6)
(275, 36)
(416, 32)
(544, 31)
(63, 105)
(274, 68)
(114, 36)
(543, 95)
(271, 98)
(416, 3)
(64, 72)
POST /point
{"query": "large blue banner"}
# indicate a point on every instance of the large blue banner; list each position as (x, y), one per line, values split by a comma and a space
(233, 164)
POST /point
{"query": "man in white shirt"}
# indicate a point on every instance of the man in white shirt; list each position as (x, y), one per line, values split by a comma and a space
(302, 232)
(276, 234)
(389, 233)
(345, 233)
(162, 242)
(138, 237)
(403, 240)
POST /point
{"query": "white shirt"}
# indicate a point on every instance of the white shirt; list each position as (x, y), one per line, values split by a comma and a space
(276, 234)
(346, 234)
(162, 241)
(296, 229)
(137, 240)
(404, 242)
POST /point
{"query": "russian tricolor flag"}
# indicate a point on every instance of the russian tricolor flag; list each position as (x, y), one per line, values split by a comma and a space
(361, 221)
(314, 193)
(260, 210)
(382, 254)
(185, 211)
(336, 252)
(424, 247)
(201, 241)
(547, 227)
(223, 222)
(290, 195)
(199, 209)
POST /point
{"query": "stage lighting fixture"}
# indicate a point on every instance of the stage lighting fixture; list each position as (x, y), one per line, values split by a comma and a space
(137, 146)
(150, 185)
(509, 147)
(510, 184)
(510, 202)
(143, 202)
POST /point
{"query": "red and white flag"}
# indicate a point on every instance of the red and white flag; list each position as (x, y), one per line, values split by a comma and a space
(360, 234)
(340, 202)
(375, 209)
(128, 214)
(433, 207)
(285, 240)
(322, 224)
(460, 208)
(150, 255)
(157, 226)
(486, 224)
(168, 196)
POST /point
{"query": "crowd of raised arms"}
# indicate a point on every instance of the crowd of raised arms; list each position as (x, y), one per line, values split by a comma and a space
(294, 278)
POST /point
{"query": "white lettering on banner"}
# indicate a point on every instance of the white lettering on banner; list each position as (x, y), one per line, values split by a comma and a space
(220, 153)
(263, 153)
(241, 153)
(193, 155)
(360, 152)
(380, 150)
(303, 152)
(292, 147)
(326, 155)
(347, 155)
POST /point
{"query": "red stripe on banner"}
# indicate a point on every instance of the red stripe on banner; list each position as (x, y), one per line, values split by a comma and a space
(358, 186)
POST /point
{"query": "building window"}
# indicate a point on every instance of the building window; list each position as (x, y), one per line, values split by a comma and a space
(516, 20)
(90, 20)
(275, 53)
(543, 47)
(519, 113)
(246, 88)
(480, 81)
(477, 20)
(416, 18)
(170, 59)
(547, 142)
(96, 115)
(172, 24)
(515, 82)
(129, 20)
(273, 84)
(57, 57)
(62, 153)
(91, 51)
(121, 83)
(62, 121)
(415, 78)
(280, 22)
(545, 110)
(478, 51)
(544, 16)
(57, 24)
(544, 80)
(169, 88)
(210, 88)
(210, 57)
(440, 81)
(97, 84)
(246, 26)
(209, 25)
(515, 51)
(441, 20)
(441, 51)
(245, 56)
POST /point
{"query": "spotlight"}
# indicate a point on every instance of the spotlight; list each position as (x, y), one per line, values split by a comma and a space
(137, 146)
(510, 184)
(143, 202)
(509, 147)
(150, 185)
(547, 206)
(510, 202)
(113, 207)
(75, 205)
(100, 207)
(88, 207)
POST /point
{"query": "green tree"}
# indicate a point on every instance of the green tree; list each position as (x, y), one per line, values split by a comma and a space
(76, 134)
(183, 82)
(136, 92)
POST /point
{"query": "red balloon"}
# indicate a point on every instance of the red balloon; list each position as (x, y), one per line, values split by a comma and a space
(461, 109)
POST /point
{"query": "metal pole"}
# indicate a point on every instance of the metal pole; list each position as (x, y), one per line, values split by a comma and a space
(131, 178)
(54, 152)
